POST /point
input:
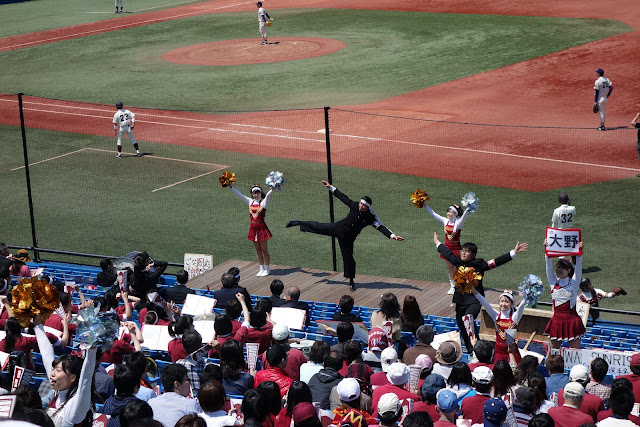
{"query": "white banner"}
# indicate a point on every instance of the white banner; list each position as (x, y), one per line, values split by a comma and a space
(196, 264)
(618, 360)
(563, 242)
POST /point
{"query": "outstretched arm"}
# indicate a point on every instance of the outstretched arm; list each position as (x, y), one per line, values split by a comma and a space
(442, 220)
(265, 202)
(244, 198)
(493, 313)
(635, 119)
(460, 222)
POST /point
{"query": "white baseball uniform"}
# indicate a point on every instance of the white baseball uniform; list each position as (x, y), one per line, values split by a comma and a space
(262, 20)
(563, 217)
(119, 3)
(602, 85)
(125, 119)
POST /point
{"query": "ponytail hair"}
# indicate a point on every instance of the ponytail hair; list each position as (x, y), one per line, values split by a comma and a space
(182, 324)
(14, 330)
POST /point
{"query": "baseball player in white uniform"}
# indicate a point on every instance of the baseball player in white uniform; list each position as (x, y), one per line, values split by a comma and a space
(118, 2)
(603, 88)
(123, 122)
(262, 21)
(563, 215)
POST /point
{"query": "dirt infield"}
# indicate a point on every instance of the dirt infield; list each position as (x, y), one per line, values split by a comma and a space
(553, 90)
(250, 51)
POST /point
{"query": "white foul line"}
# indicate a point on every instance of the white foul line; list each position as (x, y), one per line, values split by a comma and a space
(419, 144)
(188, 179)
(52, 158)
(164, 158)
(113, 28)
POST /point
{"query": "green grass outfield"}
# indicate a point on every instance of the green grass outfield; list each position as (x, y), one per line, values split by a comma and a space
(90, 201)
(387, 54)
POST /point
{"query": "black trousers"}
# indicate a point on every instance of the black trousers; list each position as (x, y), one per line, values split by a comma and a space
(345, 242)
(461, 311)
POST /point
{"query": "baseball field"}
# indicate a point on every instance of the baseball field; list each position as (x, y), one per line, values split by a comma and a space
(489, 97)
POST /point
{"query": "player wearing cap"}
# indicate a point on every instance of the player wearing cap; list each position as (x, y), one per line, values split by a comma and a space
(262, 22)
(636, 125)
(592, 296)
(125, 120)
(347, 230)
(603, 88)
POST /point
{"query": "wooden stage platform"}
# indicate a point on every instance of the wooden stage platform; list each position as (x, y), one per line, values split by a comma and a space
(329, 286)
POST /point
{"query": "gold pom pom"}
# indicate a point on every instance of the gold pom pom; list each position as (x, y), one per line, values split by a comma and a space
(227, 179)
(465, 278)
(419, 197)
(33, 296)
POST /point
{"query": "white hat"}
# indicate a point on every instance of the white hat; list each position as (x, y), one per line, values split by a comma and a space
(389, 402)
(398, 373)
(573, 390)
(387, 357)
(579, 373)
(348, 389)
(280, 332)
(482, 375)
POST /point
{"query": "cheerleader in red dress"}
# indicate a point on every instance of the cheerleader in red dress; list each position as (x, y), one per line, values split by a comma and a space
(259, 233)
(565, 324)
(508, 318)
(452, 228)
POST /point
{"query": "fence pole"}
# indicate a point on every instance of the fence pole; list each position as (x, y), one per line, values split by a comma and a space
(34, 241)
(330, 181)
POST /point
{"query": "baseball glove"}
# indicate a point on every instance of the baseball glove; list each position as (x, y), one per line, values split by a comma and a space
(268, 24)
(596, 109)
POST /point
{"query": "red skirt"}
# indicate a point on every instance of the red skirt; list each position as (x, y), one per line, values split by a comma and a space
(565, 325)
(501, 352)
(455, 247)
(259, 232)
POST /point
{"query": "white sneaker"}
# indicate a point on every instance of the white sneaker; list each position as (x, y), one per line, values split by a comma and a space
(451, 291)
(119, 155)
(267, 270)
(262, 271)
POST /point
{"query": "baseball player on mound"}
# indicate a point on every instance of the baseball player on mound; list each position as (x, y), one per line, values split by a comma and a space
(126, 120)
(262, 21)
(603, 88)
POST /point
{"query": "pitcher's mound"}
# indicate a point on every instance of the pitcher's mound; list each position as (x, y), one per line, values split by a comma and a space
(250, 51)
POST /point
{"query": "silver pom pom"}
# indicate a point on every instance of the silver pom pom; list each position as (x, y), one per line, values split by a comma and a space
(531, 288)
(470, 201)
(275, 180)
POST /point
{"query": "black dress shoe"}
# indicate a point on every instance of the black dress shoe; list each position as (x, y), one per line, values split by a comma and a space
(292, 223)
(352, 286)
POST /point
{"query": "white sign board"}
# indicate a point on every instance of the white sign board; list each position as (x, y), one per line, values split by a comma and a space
(196, 305)
(563, 242)
(156, 337)
(205, 328)
(292, 317)
(618, 360)
(196, 264)
(449, 336)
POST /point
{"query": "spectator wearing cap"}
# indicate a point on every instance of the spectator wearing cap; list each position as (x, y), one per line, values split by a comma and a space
(387, 358)
(325, 380)
(591, 404)
(568, 413)
(448, 354)
(432, 384)
(398, 376)
(472, 407)
(350, 395)
(460, 381)
(557, 379)
(292, 297)
(426, 366)
(318, 351)
(344, 315)
(447, 405)
(296, 357)
(523, 405)
(596, 387)
(389, 410)
(424, 335)
(345, 332)
(622, 401)
(483, 350)
(495, 413)
(377, 342)
(634, 377)
(19, 266)
(277, 358)
(277, 287)
(305, 415)
(619, 383)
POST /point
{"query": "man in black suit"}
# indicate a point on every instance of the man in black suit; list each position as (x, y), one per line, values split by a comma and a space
(467, 303)
(347, 230)
(179, 292)
(292, 296)
(277, 287)
(229, 290)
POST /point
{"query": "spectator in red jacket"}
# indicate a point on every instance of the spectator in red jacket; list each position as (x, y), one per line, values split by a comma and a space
(295, 357)
(634, 377)
(277, 358)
